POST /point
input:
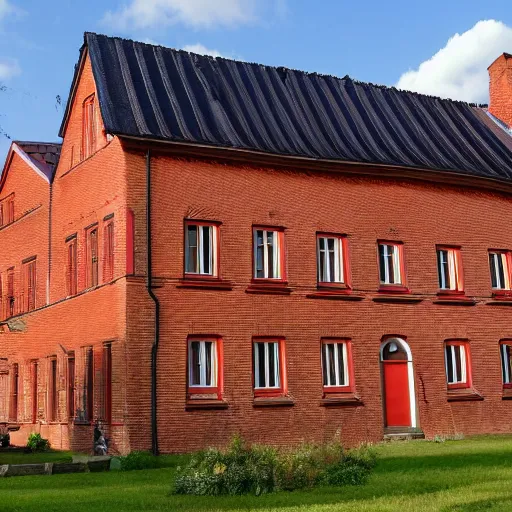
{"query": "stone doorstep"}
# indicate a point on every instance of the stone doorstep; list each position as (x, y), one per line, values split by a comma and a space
(92, 464)
(405, 436)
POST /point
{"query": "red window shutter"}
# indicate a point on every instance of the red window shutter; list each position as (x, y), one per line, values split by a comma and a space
(13, 404)
(92, 244)
(71, 269)
(34, 390)
(10, 293)
(10, 205)
(107, 383)
(89, 128)
(31, 291)
(89, 385)
(71, 386)
(108, 252)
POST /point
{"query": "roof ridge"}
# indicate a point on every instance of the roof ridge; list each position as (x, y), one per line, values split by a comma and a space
(280, 69)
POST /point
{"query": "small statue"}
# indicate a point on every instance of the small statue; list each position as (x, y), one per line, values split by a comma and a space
(100, 441)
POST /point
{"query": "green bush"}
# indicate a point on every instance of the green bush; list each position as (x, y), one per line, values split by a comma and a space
(36, 443)
(243, 469)
(138, 460)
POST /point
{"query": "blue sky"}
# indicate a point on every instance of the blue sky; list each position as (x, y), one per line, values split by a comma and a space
(371, 41)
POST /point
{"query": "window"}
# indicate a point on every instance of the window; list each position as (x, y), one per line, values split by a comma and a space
(89, 385)
(13, 402)
(499, 264)
(92, 257)
(269, 370)
(34, 389)
(506, 362)
(458, 367)
(53, 401)
(28, 302)
(108, 252)
(391, 263)
(10, 293)
(268, 254)
(107, 383)
(331, 259)
(71, 266)
(70, 378)
(7, 210)
(201, 249)
(336, 365)
(449, 269)
(89, 127)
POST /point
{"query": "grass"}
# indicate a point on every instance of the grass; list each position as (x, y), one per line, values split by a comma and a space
(455, 476)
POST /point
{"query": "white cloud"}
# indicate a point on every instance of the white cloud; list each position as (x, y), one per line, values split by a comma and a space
(459, 70)
(144, 14)
(199, 48)
(8, 69)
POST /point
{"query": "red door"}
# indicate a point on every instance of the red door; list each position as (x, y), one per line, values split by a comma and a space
(396, 391)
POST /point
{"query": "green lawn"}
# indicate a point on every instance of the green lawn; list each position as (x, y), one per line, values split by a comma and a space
(16, 457)
(457, 476)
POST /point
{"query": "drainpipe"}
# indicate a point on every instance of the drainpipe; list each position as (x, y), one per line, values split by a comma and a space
(154, 298)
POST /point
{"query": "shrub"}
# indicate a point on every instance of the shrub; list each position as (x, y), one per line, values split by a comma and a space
(243, 469)
(138, 460)
(36, 443)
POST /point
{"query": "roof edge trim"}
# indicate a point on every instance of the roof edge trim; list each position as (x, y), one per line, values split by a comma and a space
(428, 175)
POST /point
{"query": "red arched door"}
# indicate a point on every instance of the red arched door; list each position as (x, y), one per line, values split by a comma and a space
(397, 401)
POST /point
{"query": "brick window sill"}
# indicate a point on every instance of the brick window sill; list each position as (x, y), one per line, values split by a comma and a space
(268, 401)
(507, 393)
(500, 300)
(202, 404)
(205, 284)
(269, 287)
(341, 399)
(398, 299)
(454, 300)
(464, 395)
(332, 293)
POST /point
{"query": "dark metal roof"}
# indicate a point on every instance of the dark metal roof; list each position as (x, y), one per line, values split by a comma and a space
(160, 93)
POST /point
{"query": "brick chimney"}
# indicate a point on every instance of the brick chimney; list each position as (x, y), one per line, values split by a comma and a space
(500, 88)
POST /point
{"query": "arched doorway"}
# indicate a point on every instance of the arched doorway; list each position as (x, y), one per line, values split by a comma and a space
(398, 382)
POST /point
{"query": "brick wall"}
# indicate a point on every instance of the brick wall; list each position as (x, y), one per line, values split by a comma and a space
(420, 215)
(500, 88)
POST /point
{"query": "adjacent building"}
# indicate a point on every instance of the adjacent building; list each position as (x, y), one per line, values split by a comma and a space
(220, 247)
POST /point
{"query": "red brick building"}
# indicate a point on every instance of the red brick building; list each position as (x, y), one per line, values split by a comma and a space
(326, 256)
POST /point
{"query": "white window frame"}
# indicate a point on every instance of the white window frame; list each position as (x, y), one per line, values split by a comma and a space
(339, 274)
(457, 379)
(503, 256)
(276, 250)
(202, 364)
(200, 264)
(396, 260)
(338, 383)
(277, 367)
(505, 364)
(449, 282)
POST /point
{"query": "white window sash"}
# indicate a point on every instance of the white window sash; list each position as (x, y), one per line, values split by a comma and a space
(451, 270)
(202, 365)
(462, 363)
(268, 347)
(338, 381)
(276, 252)
(200, 233)
(454, 365)
(386, 264)
(506, 364)
(441, 267)
(396, 265)
(338, 260)
(505, 271)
